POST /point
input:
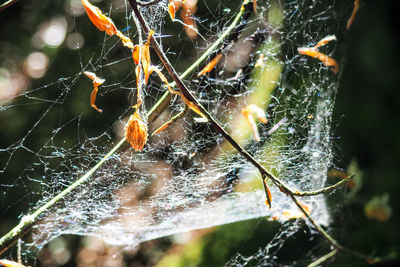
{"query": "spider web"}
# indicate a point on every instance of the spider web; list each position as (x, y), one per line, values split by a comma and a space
(187, 177)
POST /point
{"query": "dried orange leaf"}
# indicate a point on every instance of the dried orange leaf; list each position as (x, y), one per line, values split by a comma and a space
(102, 22)
(353, 14)
(189, 24)
(8, 263)
(313, 52)
(326, 60)
(125, 40)
(171, 10)
(249, 112)
(96, 83)
(135, 54)
(96, 80)
(255, 6)
(210, 65)
(136, 132)
(146, 61)
(144, 58)
(187, 12)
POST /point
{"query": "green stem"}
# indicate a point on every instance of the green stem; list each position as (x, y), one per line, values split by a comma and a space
(323, 258)
(324, 190)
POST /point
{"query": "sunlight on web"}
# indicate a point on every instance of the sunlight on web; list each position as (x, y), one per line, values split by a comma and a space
(187, 177)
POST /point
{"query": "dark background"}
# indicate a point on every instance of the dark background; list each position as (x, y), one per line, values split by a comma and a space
(366, 127)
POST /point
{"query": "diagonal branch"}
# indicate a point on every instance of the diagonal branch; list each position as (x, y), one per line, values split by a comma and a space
(185, 91)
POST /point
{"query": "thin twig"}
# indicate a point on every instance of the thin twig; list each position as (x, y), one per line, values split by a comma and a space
(324, 190)
(172, 120)
(323, 258)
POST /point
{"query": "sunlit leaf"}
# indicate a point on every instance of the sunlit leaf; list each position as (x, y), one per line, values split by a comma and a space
(102, 22)
(144, 58)
(171, 10)
(189, 23)
(136, 54)
(210, 65)
(125, 40)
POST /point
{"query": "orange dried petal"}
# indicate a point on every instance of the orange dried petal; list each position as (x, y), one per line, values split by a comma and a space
(210, 65)
(136, 132)
(102, 22)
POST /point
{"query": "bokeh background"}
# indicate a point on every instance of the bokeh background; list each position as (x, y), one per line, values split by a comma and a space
(366, 139)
